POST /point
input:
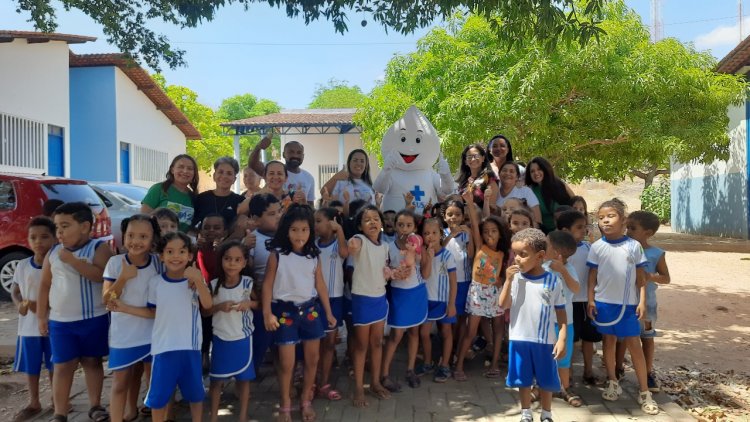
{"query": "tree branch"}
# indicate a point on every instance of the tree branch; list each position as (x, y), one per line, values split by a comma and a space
(621, 138)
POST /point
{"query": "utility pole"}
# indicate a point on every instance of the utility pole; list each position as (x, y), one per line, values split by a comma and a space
(739, 16)
(657, 27)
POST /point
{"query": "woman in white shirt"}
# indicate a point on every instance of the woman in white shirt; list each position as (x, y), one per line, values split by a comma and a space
(509, 174)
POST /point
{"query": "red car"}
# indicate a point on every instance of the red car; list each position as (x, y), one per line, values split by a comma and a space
(21, 199)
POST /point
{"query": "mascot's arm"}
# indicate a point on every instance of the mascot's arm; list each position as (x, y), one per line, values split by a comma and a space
(383, 182)
(444, 185)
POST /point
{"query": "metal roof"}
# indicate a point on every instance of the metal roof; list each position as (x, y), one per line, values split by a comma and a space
(298, 122)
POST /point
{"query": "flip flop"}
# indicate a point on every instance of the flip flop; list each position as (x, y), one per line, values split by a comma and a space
(329, 393)
(98, 414)
(26, 413)
(492, 373)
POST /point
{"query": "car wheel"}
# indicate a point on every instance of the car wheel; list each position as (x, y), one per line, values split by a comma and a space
(8, 265)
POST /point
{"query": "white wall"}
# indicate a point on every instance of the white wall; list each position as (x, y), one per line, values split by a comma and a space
(34, 84)
(140, 123)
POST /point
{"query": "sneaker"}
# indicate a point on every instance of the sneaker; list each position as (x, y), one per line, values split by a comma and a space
(389, 384)
(412, 379)
(424, 368)
(653, 384)
(442, 374)
(612, 392)
(479, 344)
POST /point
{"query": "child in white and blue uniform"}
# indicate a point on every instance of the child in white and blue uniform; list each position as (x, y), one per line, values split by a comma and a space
(177, 296)
(232, 353)
(535, 299)
(333, 251)
(127, 278)
(616, 272)
(441, 296)
(642, 225)
(32, 349)
(70, 306)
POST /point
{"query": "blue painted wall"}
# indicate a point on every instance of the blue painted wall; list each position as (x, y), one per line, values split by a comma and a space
(93, 126)
(714, 205)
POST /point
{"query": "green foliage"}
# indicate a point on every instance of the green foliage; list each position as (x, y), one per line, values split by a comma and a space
(214, 143)
(336, 94)
(598, 110)
(125, 23)
(657, 199)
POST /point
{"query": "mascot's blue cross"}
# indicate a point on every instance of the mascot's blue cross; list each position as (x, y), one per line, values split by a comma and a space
(418, 193)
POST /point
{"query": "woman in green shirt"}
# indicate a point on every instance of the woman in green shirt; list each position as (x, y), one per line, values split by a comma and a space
(176, 192)
(548, 188)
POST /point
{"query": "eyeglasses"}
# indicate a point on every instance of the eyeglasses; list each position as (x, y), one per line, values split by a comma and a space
(474, 157)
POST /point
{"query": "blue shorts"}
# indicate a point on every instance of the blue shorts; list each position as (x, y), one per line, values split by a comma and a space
(232, 359)
(408, 307)
(180, 368)
(436, 311)
(297, 323)
(368, 310)
(627, 326)
(123, 358)
(31, 353)
(529, 361)
(565, 361)
(337, 309)
(261, 339)
(87, 338)
(462, 292)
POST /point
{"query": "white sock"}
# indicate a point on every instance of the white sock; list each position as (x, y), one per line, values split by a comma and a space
(546, 414)
(526, 413)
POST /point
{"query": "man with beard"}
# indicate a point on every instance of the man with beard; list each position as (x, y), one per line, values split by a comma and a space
(298, 180)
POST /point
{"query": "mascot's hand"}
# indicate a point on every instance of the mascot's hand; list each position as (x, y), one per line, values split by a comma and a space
(391, 160)
(443, 166)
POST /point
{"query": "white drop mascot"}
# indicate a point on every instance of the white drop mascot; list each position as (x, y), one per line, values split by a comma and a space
(410, 148)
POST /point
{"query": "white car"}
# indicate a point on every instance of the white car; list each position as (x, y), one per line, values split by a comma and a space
(122, 201)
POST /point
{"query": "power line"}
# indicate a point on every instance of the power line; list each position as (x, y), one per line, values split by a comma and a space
(292, 44)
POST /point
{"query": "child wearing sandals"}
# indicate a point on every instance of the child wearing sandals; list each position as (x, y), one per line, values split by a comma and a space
(407, 299)
(369, 304)
(616, 271)
(535, 299)
(32, 349)
(560, 247)
(232, 323)
(127, 278)
(492, 241)
(441, 294)
(295, 301)
(333, 251)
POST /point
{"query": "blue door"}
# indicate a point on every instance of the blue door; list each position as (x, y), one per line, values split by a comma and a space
(55, 154)
(124, 163)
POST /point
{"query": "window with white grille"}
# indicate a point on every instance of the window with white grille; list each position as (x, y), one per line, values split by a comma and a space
(325, 172)
(148, 164)
(22, 144)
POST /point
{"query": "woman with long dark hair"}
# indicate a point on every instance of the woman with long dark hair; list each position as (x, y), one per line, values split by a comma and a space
(548, 188)
(177, 192)
(475, 173)
(501, 152)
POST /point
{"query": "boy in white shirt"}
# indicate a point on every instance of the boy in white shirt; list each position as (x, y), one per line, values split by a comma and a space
(531, 293)
(32, 349)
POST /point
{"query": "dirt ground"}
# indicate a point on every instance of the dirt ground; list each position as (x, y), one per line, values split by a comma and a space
(704, 330)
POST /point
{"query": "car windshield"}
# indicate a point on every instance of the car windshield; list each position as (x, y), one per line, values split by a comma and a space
(130, 194)
(68, 192)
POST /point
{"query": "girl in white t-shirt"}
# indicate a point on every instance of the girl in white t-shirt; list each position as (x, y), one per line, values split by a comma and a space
(126, 286)
(616, 274)
(295, 300)
(232, 353)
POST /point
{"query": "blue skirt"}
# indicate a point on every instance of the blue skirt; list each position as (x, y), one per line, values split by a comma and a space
(462, 292)
(123, 358)
(368, 310)
(408, 306)
(232, 359)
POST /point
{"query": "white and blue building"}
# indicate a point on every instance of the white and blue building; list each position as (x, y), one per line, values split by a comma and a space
(712, 199)
(94, 117)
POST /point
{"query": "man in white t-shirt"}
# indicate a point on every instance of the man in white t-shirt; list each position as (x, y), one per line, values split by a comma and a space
(294, 155)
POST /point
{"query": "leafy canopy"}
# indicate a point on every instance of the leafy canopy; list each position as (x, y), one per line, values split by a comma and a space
(599, 110)
(214, 143)
(336, 94)
(126, 23)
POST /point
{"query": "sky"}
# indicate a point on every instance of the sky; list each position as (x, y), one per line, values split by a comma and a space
(263, 52)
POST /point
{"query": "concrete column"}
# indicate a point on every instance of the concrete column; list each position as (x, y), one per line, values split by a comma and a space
(342, 156)
(236, 145)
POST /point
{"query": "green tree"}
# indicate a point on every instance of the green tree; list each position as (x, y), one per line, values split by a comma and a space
(336, 94)
(618, 108)
(242, 107)
(125, 23)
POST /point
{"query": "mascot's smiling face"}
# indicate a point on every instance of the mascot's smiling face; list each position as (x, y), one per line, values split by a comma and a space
(415, 140)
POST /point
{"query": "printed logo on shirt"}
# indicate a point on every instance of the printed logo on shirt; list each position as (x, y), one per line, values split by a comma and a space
(184, 213)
